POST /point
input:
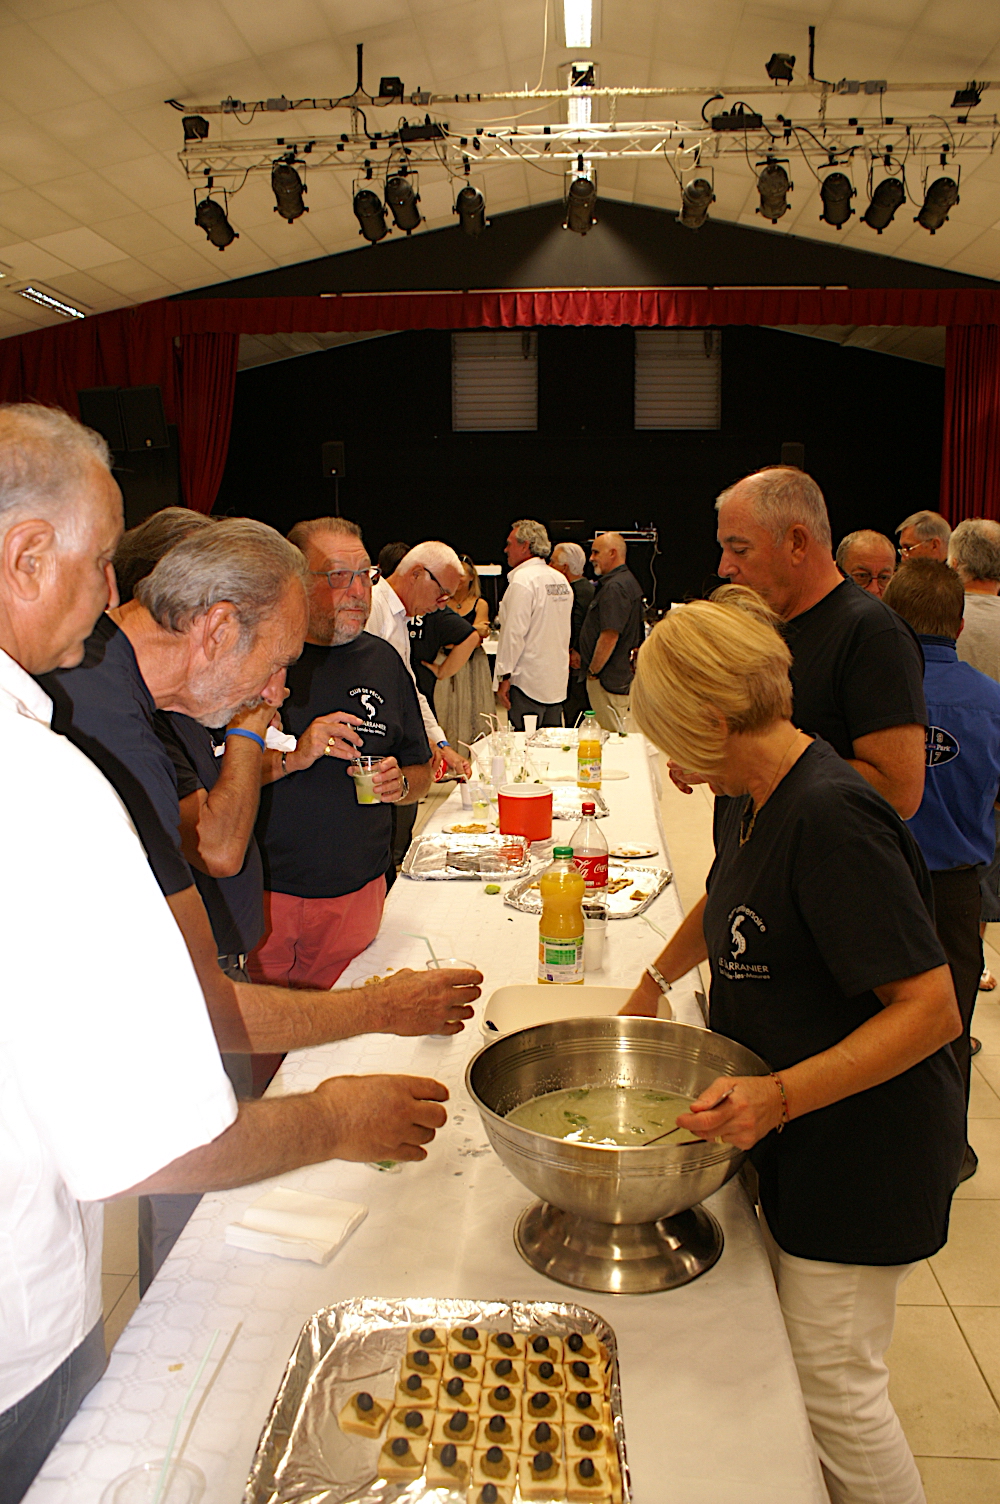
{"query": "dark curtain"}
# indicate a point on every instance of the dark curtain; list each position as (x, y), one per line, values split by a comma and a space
(208, 387)
(970, 459)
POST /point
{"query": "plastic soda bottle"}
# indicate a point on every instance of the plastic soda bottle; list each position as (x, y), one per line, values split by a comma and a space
(590, 852)
(588, 753)
(560, 930)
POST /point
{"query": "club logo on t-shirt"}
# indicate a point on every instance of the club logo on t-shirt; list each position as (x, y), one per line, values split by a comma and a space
(369, 701)
(939, 746)
(733, 967)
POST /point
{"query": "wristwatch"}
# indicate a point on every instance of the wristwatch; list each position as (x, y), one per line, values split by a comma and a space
(406, 787)
(658, 978)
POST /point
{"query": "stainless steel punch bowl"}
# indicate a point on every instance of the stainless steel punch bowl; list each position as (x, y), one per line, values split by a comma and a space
(608, 1210)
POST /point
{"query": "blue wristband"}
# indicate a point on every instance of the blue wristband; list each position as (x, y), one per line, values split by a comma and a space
(443, 744)
(250, 735)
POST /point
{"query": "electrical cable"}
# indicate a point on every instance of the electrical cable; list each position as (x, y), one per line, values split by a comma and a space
(545, 47)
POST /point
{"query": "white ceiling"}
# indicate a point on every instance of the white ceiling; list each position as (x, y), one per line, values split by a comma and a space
(95, 207)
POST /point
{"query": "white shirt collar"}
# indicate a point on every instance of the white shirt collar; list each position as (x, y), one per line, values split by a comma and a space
(395, 604)
(20, 688)
(532, 559)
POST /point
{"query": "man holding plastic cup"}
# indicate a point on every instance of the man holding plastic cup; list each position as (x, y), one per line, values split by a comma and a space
(325, 833)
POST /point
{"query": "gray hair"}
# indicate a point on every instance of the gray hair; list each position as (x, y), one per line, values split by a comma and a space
(431, 555)
(237, 560)
(974, 549)
(301, 533)
(863, 535)
(534, 535)
(44, 458)
(927, 525)
(782, 496)
(573, 556)
(142, 547)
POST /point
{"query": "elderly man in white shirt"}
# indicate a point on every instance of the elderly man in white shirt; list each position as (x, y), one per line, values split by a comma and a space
(535, 617)
(110, 1077)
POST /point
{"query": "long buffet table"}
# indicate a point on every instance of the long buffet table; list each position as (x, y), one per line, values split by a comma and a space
(711, 1401)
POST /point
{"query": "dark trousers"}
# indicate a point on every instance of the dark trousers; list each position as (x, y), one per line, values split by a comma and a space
(956, 909)
(403, 819)
(30, 1429)
(576, 702)
(522, 705)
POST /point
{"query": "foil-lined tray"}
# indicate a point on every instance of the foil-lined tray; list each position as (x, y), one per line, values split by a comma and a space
(303, 1457)
(567, 802)
(439, 856)
(650, 881)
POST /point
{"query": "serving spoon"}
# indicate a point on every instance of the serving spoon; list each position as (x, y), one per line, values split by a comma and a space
(661, 1136)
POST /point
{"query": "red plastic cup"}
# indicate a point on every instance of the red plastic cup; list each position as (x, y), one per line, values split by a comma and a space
(526, 810)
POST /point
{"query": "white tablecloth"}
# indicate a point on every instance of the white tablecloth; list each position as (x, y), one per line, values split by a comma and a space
(712, 1407)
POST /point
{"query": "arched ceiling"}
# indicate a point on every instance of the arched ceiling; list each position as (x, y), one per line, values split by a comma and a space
(95, 208)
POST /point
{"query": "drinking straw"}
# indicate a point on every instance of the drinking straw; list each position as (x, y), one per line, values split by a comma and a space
(161, 1481)
(426, 942)
(656, 927)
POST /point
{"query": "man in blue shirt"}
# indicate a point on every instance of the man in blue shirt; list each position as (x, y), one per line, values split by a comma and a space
(954, 824)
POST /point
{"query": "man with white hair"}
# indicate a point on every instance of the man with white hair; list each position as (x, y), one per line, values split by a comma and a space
(612, 632)
(111, 1078)
(868, 558)
(535, 616)
(570, 560)
(858, 669)
(924, 535)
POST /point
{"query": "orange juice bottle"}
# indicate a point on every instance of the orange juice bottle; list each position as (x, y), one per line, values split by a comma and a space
(560, 930)
(588, 753)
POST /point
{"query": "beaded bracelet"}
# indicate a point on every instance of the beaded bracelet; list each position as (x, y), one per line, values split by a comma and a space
(784, 1101)
(250, 735)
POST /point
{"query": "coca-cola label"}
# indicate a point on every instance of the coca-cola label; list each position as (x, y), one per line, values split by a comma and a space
(594, 868)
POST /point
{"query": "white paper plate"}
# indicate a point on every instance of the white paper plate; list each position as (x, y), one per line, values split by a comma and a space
(523, 1004)
(632, 851)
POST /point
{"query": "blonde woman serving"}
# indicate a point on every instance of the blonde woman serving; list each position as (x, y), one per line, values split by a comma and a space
(818, 932)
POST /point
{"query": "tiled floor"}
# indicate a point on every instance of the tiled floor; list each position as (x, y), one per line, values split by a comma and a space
(945, 1356)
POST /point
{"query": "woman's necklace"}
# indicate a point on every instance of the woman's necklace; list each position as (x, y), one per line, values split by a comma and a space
(751, 810)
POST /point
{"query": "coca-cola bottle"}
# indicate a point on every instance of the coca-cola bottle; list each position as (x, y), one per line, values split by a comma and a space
(590, 852)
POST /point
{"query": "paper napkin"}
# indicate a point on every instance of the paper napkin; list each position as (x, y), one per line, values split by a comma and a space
(294, 1225)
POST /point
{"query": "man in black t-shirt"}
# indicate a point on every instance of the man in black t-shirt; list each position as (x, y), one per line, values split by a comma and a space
(430, 633)
(858, 668)
(611, 632)
(325, 855)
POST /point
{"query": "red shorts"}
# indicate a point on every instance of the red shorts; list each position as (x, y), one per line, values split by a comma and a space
(310, 941)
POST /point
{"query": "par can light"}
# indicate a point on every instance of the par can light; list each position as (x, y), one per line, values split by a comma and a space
(695, 200)
(941, 196)
(581, 202)
(402, 200)
(288, 188)
(210, 216)
(774, 186)
(470, 206)
(886, 199)
(836, 193)
(370, 214)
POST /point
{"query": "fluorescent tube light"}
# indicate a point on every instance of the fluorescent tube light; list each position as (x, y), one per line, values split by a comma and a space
(578, 22)
(580, 110)
(46, 301)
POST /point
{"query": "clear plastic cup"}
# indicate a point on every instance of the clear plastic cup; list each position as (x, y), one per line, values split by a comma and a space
(184, 1484)
(364, 788)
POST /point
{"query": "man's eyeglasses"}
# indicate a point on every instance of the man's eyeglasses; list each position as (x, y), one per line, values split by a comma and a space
(343, 579)
(907, 548)
(437, 582)
(864, 577)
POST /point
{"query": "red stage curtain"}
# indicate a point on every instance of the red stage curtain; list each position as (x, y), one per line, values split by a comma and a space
(970, 460)
(208, 386)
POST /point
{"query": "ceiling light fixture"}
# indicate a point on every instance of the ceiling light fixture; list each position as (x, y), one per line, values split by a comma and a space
(780, 67)
(470, 206)
(402, 200)
(288, 188)
(195, 127)
(886, 199)
(969, 97)
(774, 186)
(45, 300)
(695, 199)
(578, 22)
(210, 216)
(581, 203)
(941, 196)
(836, 192)
(370, 214)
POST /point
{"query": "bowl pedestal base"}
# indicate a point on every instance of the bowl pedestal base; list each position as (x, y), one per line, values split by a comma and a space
(631, 1258)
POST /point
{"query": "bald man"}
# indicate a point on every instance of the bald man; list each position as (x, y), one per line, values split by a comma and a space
(612, 630)
(867, 558)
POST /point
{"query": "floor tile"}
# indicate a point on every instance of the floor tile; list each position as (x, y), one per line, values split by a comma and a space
(986, 1027)
(113, 1287)
(968, 1267)
(945, 1406)
(921, 1288)
(984, 1136)
(981, 1325)
(115, 1324)
(121, 1246)
(984, 1101)
(960, 1480)
(988, 1067)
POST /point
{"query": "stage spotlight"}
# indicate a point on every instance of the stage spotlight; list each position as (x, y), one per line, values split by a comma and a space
(581, 202)
(695, 200)
(774, 186)
(968, 97)
(886, 199)
(780, 67)
(941, 196)
(210, 216)
(470, 206)
(288, 188)
(836, 193)
(403, 200)
(370, 213)
(195, 127)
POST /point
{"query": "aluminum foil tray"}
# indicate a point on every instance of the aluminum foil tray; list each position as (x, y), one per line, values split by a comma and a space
(303, 1457)
(567, 801)
(440, 857)
(554, 738)
(524, 895)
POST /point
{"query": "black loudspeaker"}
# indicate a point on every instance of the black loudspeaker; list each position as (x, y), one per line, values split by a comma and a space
(333, 460)
(143, 418)
(99, 409)
(794, 454)
(149, 480)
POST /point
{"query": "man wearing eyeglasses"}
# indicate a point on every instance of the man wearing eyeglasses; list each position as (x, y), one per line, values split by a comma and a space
(867, 558)
(924, 535)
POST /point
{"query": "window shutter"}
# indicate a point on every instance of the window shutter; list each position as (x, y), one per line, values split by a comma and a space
(494, 380)
(678, 378)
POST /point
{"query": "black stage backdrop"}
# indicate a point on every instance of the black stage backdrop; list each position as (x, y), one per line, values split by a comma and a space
(870, 423)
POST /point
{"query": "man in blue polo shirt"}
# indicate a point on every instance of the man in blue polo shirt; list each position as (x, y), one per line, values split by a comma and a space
(954, 824)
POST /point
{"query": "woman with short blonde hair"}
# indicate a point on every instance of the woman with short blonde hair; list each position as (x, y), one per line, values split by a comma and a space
(817, 927)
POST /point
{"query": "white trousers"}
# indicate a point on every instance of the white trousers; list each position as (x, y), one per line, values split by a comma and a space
(839, 1320)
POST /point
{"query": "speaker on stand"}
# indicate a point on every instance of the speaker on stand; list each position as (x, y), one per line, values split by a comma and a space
(334, 469)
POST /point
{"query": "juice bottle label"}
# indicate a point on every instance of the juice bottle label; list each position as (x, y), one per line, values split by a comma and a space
(594, 869)
(560, 961)
(588, 771)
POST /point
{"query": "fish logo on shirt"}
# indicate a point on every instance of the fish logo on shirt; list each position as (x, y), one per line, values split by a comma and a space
(739, 943)
(737, 970)
(366, 697)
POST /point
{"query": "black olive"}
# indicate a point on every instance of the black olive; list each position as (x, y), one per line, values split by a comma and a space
(454, 1387)
(575, 1343)
(581, 1370)
(542, 1433)
(494, 1454)
(542, 1461)
(583, 1401)
(458, 1422)
(586, 1433)
(539, 1401)
(469, 1334)
(504, 1339)
(427, 1335)
(545, 1371)
(501, 1393)
(414, 1382)
(462, 1360)
(412, 1419)
(488, 1495)
(497, 1425)
(449, 1455)
(541, 1344)
(585, 1467)
(422, 1359)
(364, 1401)
(400, 1446)
(502, 1367)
